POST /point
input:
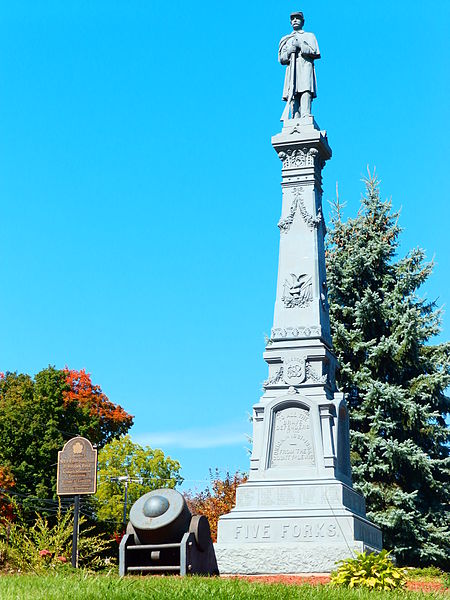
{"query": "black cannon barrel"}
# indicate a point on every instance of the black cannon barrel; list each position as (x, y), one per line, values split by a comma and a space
(161, 516)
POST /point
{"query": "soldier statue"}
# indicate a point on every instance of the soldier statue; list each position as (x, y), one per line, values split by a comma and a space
(298, 51)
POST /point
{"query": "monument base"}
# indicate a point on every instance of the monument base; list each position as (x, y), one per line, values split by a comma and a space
(274, 559)
(293, 527)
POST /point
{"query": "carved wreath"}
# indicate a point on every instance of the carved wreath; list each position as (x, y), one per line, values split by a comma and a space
(298, 203)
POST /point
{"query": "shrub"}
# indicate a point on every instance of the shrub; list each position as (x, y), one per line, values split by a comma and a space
(41, 546)
(425, 573)
(446, 580)
(369, 570)
(6, 483)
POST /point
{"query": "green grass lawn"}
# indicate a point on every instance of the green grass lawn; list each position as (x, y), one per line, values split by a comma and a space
(103, 587)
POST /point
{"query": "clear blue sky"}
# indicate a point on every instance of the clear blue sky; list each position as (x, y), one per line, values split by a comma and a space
(140, 192)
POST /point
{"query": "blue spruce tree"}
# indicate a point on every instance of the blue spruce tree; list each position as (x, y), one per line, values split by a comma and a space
(394, 378)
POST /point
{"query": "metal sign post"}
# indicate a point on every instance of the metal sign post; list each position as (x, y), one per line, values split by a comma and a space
(76, 528)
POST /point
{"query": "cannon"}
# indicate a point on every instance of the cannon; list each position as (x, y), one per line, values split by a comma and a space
(163, 537)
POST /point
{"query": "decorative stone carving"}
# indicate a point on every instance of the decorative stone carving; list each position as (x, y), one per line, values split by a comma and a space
(293, 158)
(311, 221)
(292, 443)
(293, 333)
(297, 203)
(298, 292)
(311, 375)
(275, 379)
(285, 224)
(294, 370)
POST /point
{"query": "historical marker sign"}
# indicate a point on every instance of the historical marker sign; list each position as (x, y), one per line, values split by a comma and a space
(77, 468)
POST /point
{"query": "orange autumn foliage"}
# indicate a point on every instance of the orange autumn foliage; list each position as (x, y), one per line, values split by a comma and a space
(217, 501)
(106, 418)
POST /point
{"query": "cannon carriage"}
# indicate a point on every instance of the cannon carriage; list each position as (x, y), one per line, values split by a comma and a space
(163, 537)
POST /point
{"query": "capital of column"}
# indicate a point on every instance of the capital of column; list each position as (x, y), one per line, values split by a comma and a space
(303, 151)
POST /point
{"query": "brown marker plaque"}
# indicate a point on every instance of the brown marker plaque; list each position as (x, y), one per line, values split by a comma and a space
(77, 468)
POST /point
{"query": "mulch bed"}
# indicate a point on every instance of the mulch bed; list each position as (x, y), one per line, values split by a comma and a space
(319, 579)
(415, 585)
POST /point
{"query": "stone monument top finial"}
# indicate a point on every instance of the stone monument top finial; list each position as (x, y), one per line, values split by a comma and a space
(298, 51)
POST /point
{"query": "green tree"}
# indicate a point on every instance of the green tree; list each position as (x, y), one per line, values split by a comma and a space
(144, 469)
(394, 378)
(29, 436)
(37, 416)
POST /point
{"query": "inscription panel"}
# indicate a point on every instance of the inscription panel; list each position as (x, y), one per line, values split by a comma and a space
(246, 497)
(77, 468)
(292, 443)
(287, 530)
(298, 496)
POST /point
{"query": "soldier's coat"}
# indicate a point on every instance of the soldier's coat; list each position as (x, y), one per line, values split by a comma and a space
(305, 75)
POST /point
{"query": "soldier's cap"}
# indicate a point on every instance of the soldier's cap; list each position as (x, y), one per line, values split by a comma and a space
(297, 14)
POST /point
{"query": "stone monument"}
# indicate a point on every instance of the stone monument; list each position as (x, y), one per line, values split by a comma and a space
(298, 512)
